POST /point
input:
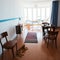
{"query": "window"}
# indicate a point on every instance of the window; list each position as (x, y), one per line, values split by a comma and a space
(38, 13)
(42, 13)
(34, 14)
(29, 13)
(25, 14)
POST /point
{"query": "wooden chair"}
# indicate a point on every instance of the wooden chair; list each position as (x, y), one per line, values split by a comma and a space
(48, 28)
(44, 27)
(52, 36)
(8, 44)
(52, 28)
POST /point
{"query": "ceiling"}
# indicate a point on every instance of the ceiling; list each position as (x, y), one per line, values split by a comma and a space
(41, 0)
(36, 0)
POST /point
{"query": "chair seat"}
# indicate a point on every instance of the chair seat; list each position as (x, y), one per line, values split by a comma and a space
(51, 37)
(10, 44)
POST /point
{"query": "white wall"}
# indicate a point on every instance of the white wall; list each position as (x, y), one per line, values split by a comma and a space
(9, 9)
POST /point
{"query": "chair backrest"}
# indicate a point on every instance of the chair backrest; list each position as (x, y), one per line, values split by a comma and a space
(52, 28)
(45, 23)
(53, 33)
(4, 35)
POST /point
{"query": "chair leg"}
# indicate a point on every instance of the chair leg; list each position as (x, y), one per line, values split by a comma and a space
(47, 43)
(56, 43)
(52, 43)
(16, 48)
(2, 53)
(13, 52)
